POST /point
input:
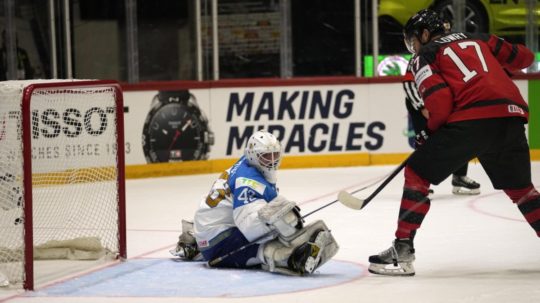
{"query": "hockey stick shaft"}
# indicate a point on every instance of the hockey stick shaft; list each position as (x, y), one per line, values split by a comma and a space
(333, 202)
(324, 206)
(348, 200)
(385, 182)
(338, 200)
(218, 260)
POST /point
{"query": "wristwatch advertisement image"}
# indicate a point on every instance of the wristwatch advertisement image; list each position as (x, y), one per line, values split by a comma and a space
(176, 129)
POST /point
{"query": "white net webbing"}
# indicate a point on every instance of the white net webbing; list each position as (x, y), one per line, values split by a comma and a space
(74, 175)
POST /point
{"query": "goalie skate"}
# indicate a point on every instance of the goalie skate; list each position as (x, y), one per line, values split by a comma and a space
(186, 248)
(181, 254)
(395, 261)
(463, 185)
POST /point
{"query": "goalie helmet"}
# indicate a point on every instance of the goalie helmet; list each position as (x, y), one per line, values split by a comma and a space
(263, 151)
(423, 20)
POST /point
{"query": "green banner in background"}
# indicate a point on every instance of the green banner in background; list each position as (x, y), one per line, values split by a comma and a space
(534, 114)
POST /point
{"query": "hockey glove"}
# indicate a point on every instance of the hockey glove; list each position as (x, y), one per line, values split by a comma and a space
(421, 138)
(283, 215)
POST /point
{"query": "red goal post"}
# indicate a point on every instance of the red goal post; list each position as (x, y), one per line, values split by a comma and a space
(62, 180)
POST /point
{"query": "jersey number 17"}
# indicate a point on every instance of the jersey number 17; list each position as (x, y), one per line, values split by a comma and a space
(467, 73)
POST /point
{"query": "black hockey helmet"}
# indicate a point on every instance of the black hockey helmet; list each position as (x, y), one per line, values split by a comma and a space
(424, 19)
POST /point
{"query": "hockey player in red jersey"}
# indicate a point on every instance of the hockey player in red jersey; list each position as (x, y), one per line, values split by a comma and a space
(461, 184)
(475, 110)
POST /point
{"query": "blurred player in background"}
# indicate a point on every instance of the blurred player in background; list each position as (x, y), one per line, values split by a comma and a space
(24, 67)
(475, 110)
(244, 223)
(462, 185)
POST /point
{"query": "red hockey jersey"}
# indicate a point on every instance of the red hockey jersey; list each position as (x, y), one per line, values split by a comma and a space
(464, 76)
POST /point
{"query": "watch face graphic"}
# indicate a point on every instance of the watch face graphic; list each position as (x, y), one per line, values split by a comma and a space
(176, 129)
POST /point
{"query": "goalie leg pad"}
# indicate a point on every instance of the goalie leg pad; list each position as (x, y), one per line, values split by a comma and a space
(312, 247)
(307, 256)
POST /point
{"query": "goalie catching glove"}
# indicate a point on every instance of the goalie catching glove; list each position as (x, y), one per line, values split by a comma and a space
(283, 215)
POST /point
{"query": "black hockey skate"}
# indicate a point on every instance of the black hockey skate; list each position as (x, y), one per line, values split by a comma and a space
(463, 185)
(395, 261)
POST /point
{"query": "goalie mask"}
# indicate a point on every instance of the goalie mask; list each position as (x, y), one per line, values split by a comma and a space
(263, 152)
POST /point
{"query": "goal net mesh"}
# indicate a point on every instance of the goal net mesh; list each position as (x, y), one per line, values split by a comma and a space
(74, 183)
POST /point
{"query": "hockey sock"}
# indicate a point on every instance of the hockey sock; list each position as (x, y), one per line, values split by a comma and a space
(528, 202)
(414, 204)
(462, 171)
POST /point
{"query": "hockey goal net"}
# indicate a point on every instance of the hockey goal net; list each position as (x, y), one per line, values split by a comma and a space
(62, 192)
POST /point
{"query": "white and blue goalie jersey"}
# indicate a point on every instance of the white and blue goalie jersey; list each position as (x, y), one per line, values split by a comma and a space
(234, 201)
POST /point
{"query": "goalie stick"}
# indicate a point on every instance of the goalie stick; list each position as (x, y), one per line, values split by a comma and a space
(350, 201)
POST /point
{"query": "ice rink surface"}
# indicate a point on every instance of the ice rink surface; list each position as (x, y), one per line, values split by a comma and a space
(469, 249)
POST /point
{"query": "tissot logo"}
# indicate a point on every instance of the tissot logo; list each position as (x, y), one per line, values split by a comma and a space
(71, 122)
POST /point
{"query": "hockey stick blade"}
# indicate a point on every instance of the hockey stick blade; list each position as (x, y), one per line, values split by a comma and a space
(349, 200)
